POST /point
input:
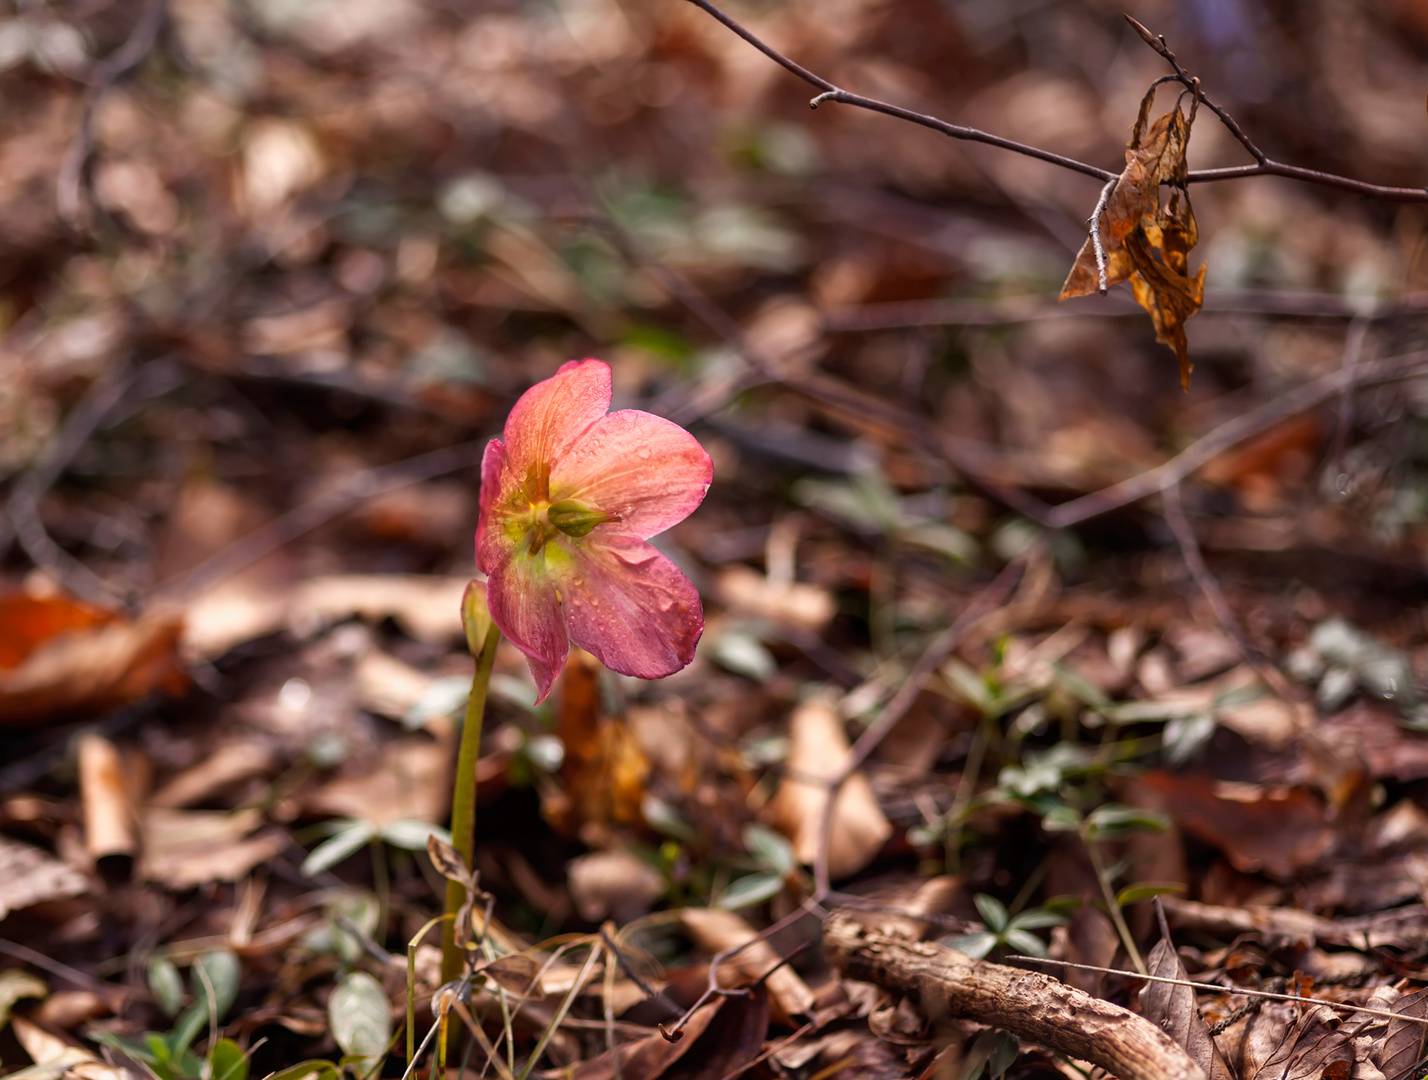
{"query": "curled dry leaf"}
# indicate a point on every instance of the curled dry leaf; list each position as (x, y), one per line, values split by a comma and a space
(1146, 243)
(61, 657)
(816, 751)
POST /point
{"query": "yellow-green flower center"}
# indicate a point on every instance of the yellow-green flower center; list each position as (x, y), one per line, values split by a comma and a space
(534, 519)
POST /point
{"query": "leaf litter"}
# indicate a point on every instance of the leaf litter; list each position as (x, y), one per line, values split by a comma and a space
(361, 324)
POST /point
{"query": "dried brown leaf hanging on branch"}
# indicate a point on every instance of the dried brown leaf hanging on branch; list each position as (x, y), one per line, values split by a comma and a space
(1145, 242)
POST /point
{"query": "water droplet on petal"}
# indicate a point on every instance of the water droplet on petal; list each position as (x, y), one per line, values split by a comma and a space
(643, 452)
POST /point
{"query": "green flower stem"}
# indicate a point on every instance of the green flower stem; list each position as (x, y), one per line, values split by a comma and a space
(463, 800)
(1112, 908)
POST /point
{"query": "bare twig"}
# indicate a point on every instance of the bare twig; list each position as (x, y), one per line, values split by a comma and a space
(104, 401)
(74, 186)
(1267, 995)
(302, 519)
(1094, 224)
(1190, 552)
(1353, 353)
(1034, 1006)
(1231, 433)
(1025, 309)
(834, 93)
(1263, 165)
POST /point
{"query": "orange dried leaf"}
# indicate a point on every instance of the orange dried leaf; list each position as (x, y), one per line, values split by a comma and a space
(60, 657)
(1145, 242)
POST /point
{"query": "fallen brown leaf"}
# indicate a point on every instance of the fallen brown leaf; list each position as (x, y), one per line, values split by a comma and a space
(60, 657)
(31, 876)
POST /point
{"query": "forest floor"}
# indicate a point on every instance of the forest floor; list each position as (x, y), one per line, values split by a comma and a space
(1067, 641)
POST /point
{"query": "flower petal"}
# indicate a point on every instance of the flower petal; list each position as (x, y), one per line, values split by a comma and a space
(630, 606)
(493, 464)
(648, 470)
(553, 413)
(524, 602)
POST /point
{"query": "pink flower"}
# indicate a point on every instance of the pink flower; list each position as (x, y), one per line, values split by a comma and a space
(567, 503)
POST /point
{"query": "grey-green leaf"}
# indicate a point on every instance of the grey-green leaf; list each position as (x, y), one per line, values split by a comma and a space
(360, 1016)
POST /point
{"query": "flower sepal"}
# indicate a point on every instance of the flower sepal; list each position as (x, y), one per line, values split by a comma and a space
(575, 518)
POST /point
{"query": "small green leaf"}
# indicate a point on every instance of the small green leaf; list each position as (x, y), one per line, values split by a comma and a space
(1024, 942)
(411, 834)
(333, 850)
(140, 1051)
(1005, 1048)
(770, 848)
(221, 970)
(226, 1061)
(1061, 819)
(751, 889)
(1111, 821)
(165, 984)
(1037, 919)
(744, 654)
(1134, 894)
(315, 1069)
(360, 1016)
(994, 912)
(974, 945)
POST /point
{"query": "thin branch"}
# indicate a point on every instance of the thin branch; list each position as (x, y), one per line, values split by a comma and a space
(955, 131)
(1353, 353)
(1231, 433)
(1343, 1006)
(1263, 166)
(110, 397)
(1094, 224)
(73, 186)
(1194, 559)
(302, 519)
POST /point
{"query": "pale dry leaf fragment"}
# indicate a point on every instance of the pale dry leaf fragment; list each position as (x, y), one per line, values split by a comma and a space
(231, 762)
(614, 884)
(16, 984)
(184, 848)
(107, 789)
(53, 1057)
(31, 876)
(747, 592)
(716, 931)
(387, 686)
(408, 782)
(817, 749)
(427, 608)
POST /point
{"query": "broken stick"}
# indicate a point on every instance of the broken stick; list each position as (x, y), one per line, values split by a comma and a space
(1030, 1005)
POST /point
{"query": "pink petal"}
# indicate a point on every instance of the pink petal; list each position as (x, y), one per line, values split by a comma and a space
(524, 602)
(553, 413)
(493, 464)
(630, 606)
(649, 471)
